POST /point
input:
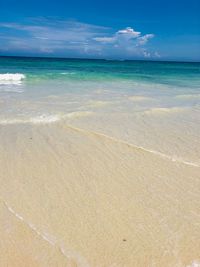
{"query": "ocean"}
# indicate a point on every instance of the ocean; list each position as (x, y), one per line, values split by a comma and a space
(151, 97)
(99, 162)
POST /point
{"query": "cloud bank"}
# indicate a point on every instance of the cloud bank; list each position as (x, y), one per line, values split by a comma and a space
(53, 37)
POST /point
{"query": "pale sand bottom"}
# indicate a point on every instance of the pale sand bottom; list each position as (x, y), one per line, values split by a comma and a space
(74, 198)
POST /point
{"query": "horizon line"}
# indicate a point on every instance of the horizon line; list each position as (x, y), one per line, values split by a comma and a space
(100, 59)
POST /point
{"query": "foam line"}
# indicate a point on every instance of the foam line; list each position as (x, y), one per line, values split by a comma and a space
(46, 237)
(173, 159)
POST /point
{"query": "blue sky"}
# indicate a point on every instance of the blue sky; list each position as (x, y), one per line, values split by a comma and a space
(137, 29)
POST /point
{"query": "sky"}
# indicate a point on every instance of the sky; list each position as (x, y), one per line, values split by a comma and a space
(137, 29)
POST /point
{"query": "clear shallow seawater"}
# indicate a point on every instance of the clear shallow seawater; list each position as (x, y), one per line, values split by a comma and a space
(108, 152)
(174, 73)
(155, 105)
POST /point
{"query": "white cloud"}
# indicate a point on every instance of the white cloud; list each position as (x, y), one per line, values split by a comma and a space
(128, 42)
(73, 38)
(105, 39)
(124, 34)
(58, 30)
(146, 54)
(156, 54)
(144, 39)
(129, 32)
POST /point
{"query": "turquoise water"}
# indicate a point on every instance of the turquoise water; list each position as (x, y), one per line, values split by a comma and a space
(31, 86)
(36, 69)
(155, 105)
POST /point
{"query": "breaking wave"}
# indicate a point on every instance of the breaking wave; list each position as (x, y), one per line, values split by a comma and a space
(11, 78)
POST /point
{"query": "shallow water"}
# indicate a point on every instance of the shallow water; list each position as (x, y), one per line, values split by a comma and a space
(155, 105)
(106, 151)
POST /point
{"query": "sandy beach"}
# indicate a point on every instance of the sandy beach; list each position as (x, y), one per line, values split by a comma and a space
(99, 167)
(71, 197)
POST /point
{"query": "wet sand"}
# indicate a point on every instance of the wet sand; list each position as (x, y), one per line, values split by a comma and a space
(74, 197)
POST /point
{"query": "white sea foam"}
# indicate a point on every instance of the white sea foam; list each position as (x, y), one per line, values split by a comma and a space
(67, 73)
(163, 110)
(78, 114)
(45, 118)
(189, 96)
(11, 78)
(194, 264)
(42, 119)
(158, 153)
(50, 239)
